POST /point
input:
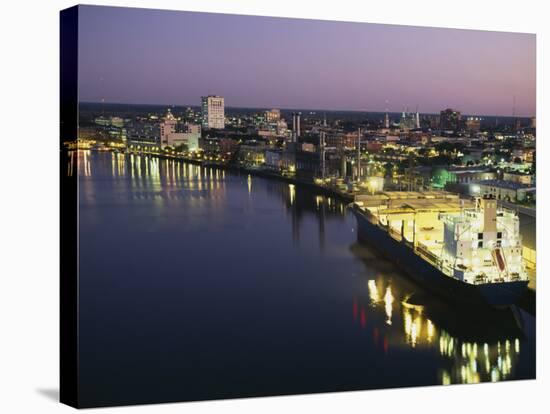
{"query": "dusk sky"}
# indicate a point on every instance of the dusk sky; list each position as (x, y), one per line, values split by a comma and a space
(171, 57)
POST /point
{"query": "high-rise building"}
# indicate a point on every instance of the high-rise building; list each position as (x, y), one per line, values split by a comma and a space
(408, 121)
(213, 112)
(167, 127)
(272, 116)
(473, 124)
(449, 120)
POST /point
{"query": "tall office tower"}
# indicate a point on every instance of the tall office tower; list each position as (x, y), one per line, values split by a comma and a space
(167, 127)
(450, 119)
(273, 116)
(213, 112)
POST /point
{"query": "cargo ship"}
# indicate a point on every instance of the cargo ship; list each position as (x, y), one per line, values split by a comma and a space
(467, 250)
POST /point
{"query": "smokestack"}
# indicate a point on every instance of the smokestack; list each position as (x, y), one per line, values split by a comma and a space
(293, 126)
(358, 154)
(322, 145)
(489, 207)
(343, 166)
(298, 125)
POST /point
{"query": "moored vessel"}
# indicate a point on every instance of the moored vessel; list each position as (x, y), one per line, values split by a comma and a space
(470, 251)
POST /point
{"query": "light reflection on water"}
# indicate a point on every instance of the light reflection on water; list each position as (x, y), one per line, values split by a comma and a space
(394, 321)
(466, 357)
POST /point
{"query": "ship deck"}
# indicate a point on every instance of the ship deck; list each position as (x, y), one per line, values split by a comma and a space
(413, 217)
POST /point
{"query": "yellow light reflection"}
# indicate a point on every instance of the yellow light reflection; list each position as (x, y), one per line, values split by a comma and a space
(373, 291)
(388, 302)
(430, 329)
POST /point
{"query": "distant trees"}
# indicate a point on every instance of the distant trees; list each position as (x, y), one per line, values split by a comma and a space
(449, 147)
(181, 148)
(424, 151)
(441, 159)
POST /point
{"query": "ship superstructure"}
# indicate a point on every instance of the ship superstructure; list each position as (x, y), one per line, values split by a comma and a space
(483, 244)
(446, 241)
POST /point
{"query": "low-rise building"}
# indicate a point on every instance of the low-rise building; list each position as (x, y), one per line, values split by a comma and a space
(189, 137)
(252, 153)
(519, 177)
(443, 176)
(502, 190)
(274, 159)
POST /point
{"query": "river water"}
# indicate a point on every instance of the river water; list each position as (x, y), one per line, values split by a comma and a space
(200, 283)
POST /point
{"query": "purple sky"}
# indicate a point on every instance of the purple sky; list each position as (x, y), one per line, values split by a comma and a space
(172, 57)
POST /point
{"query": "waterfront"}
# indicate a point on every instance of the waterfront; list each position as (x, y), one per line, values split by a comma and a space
(200, 283)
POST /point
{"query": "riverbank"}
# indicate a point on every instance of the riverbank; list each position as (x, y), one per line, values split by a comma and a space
(325, 190)
(527, 302)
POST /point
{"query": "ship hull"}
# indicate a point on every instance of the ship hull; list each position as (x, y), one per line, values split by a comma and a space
(430, 277)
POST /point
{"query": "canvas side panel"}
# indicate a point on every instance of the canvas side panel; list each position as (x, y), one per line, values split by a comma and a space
(69, 207)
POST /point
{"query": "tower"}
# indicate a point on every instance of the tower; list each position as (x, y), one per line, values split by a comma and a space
(386, 117)
(167, 127)
(358, 154)
(517, 121)
(322, 153)
(296, 126)
(213, 112)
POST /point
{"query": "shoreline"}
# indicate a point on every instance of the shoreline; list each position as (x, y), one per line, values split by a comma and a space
(347, 198)
(527, 301)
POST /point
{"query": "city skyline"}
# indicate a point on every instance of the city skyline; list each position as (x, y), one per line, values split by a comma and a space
(232, 108)
(168, 58)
